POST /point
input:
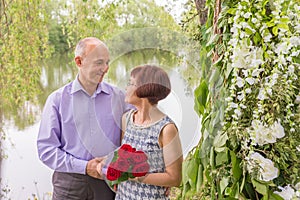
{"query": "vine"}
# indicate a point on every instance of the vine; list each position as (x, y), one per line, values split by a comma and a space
(249, 103)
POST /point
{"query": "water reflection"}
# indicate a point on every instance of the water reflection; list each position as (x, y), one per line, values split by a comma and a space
(26, 176)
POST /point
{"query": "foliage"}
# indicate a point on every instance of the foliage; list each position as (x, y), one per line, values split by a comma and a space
(32, 30)
(102, 19)
(249, 103)
(22, 44)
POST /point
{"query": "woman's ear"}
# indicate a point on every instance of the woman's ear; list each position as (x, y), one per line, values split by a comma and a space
(77, 60)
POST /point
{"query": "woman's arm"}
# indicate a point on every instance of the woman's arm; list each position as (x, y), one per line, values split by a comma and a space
(172, 152)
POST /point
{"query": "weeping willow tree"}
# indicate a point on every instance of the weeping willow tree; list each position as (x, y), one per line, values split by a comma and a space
(23, 43)
(248, 99)
(31, 31)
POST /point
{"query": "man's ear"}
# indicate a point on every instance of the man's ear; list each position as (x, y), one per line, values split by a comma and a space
(78, 60)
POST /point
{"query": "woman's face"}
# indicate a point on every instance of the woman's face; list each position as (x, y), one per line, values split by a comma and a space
(130, 96)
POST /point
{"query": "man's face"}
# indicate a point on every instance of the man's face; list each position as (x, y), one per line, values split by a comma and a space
(95, 63)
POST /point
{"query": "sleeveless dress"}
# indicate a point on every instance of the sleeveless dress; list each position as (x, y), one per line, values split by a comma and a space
(144, 138)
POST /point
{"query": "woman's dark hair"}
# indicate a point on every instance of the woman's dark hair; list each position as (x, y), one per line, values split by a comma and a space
(152, 82)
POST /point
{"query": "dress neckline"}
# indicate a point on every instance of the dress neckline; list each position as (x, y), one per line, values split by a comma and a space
(146, 125)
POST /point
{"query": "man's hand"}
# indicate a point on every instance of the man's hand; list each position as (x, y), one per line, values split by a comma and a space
(91, 168)
(99, 167)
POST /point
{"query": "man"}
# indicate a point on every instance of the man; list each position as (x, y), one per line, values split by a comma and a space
(80, 124)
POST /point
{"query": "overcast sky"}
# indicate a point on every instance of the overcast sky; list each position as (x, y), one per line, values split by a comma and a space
(174, 7)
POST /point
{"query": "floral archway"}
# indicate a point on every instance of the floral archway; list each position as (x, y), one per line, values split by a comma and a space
(249, 102)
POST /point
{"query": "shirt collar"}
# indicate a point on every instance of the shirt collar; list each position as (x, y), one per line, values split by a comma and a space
(102, 87)
(76, 86)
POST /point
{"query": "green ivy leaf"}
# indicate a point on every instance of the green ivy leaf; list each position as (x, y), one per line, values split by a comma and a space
(275, 197)
(191, 173)
(201, 93)
(260, 187)
(283, 26)
(257, 38)
(222, 157)
(275, 30)
(223, 184)
(220, 140)
(199, 178)
(236, 169)
(231, 11)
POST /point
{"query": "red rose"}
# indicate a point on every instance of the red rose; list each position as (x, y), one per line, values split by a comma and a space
(138, 157)
(113, 173)
(127, 147)
(125, 151)
(140, 169)
(122, 164)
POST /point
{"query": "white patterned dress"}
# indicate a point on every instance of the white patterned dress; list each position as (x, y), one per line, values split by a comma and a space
(144, 138)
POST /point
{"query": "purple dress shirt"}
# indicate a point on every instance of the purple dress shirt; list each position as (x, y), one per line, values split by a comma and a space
(76, 127)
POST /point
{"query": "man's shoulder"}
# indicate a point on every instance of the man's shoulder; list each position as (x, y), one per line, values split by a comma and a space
(58, 93)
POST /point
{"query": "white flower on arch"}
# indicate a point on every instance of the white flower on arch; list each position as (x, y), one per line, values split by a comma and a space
(265, 167)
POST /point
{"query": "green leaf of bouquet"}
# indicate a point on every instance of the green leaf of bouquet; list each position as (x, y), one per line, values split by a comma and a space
(260, 187)
(123, 177)
(115, 156)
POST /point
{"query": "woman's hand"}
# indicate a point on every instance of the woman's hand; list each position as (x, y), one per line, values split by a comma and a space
(100, 166)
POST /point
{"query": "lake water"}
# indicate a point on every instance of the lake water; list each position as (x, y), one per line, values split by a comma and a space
(26, 177)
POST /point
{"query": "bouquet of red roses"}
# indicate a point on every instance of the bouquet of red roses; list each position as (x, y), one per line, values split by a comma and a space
(124, 163)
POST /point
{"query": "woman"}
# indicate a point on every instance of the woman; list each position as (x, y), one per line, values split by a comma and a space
(150, 130)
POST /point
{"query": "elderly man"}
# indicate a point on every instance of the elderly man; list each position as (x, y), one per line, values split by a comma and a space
(80, 124)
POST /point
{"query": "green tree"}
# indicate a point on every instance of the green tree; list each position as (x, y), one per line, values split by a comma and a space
(23, 42)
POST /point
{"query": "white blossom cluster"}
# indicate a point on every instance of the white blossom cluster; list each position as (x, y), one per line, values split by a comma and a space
(265, 167)
(258, 70)
(289, 193)
(262, 134)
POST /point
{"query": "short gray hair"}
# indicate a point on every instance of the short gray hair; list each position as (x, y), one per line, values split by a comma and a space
(80, 49)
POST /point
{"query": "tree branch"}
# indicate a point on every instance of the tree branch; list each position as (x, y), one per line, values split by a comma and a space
(215, 26)
(201, 10)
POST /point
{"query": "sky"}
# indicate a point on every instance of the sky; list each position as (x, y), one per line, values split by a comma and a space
(174, 7)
